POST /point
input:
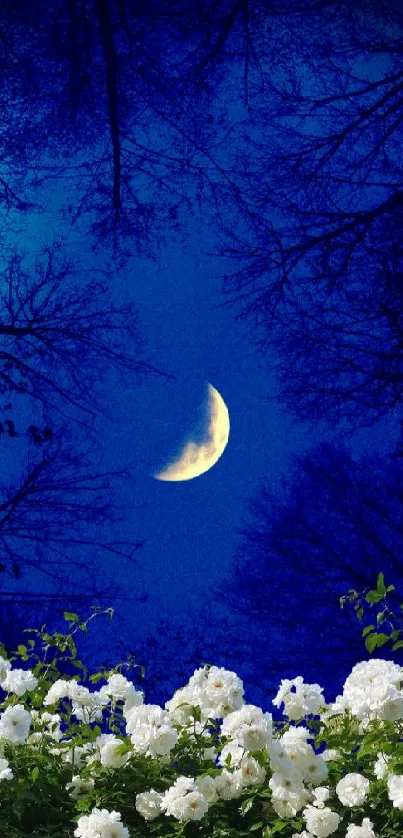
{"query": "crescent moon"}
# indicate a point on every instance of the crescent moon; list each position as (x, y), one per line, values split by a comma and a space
(198, 457)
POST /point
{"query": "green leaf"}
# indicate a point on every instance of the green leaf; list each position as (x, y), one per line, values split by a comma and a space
(367, 630)
(246, 806)
(380, 584)
(382, 639)
(35, 774)
(397, 645)
(373, 597)
(70, 617)
(370, 643)
(375, 641)
(95, 678)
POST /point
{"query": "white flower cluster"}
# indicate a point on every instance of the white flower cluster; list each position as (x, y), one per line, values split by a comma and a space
(101, 824)
(151, 730)
(299, 699)
(246, 749)
(216, 691)
(373, 690)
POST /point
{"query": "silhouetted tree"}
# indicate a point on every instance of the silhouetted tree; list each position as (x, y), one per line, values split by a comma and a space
(58, 514)
(319, 256)
(60, 332)
(124, 98)
(334, 524)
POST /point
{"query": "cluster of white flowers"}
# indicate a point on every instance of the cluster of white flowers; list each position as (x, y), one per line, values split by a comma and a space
(245, 747)
(373, 690)
(87, 706)
(101, 824)
(299, 699)
(214, 690)
(151, 730)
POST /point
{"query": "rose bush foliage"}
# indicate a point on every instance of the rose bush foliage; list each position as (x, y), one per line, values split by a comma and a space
(94, 760)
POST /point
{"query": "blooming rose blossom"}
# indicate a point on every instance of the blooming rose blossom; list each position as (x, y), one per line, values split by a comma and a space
(215, 690)
(288, 794)
(107, 746)
(101, 824)
(363, 831)
(320, 796)
(395, 790)
(330, 754)
(151, 730)
(229, 785)
(14, 724)
(19, 681)
(373, 690)
(207, 787)
(5, 667)
(184, 801)
(321, 822)
(249, 726)
(381, 766)
(118, 688)
(79, 787)
(60, 689)
(5, 770)
(352, 789)
(148, 804)
(299, 699)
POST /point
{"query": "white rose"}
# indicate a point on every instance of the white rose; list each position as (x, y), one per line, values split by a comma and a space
(101, 824)
(192, 807)
(299, 699)
(252, 773)
(381, 766)
(5, 770)
(108, 745)
(352, 790)
(60, 689)
(207, 787)
(79, 787)
(148, 804)
(5, 666)
(228, 785)
(395, 790)
(321, 794)
(321, 822)
(363, 831)
(19, 681)
(14, 724)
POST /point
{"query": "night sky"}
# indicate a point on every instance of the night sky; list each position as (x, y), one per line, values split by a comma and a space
(188, 330)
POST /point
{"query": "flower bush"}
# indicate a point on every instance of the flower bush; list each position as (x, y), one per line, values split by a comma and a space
(93, 760)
